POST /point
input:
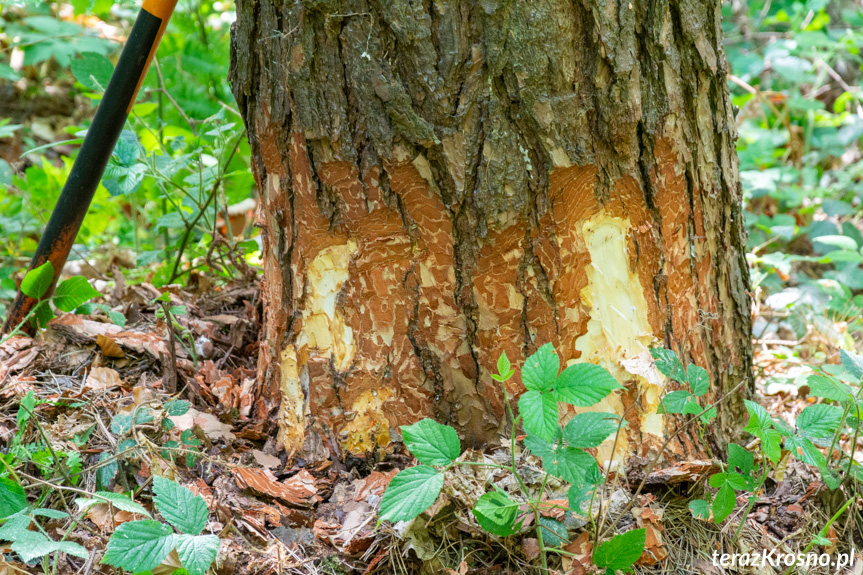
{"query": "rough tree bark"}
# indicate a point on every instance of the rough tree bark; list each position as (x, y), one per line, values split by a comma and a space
(445, 180)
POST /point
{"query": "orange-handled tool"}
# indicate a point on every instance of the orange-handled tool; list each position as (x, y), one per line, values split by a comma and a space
(102, 136)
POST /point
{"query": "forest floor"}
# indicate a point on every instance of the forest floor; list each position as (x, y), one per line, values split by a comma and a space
(98, 385)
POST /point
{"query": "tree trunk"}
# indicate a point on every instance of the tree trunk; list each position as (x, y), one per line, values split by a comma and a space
(442, 181)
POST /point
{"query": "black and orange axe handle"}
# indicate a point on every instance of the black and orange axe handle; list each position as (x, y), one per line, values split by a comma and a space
(68, 214)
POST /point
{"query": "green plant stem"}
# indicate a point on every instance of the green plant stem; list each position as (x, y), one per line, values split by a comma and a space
(175, 272)
(521, 484)
(823, 532)
(653, 461)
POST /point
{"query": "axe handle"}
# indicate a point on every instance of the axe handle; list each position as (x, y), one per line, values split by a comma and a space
(86, 173)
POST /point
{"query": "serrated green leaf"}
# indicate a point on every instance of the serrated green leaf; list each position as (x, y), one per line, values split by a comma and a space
(410, 493)
(553, 532)
(621, 551)
(540, 370)
(49, 513)
(739, 458)
(93, 70)
(571, 464)
(106, 473)
(732, 478)
(675, 402)
(179, 506)
(539, 446)
(38, 280)
(539, 414)
(197, 552)
(39, 546)
(805, 451)
(590, 429)
(759, 419)
(584, 384)
(578, 495)
(15, 527)
(139, 546)
(699, 381)
(723, 503)
(496, 512)
(177, 407)
(117, 500)
(853, 363)
(819, 420)
(821, 385)
(503, 365)
(700, 509)
(668, 364)
(771, 441)
(73, 292)
(12, 498)
(432, 443)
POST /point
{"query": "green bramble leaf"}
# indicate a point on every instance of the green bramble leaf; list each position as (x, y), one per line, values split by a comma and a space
(700, 509)
(540, 370)
(732, 478)
(496, 512)
(504, 369)
(92, 70)
(853, 363)
(38, 545)
(117, 500)
(553, 532)
(584, 384)
(38, 280)
(12, 497)
(759, 420)
(569, 463)
(742, 460)
(590, 429)
(819, 420)
(668, 364)
(139, 546)
(432, 443)
(805, 451)
(177, 407)
(821, 385)
(410, 493)
(621, 551)
(723, 503)
(179, 506)
(197, 552)
(676, 402)
(73, 292)
(539, 414)
(699, 381)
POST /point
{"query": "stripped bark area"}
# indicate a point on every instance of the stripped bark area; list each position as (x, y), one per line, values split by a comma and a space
(447, 180)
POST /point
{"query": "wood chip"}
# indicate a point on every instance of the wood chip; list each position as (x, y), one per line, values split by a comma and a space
(297, 491)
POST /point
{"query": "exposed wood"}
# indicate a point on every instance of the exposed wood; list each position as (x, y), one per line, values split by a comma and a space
(444, 181)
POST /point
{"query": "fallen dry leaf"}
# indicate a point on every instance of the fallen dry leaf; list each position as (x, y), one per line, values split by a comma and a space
(109, 347)
(530, 548)
(102, 378)
(265, 459)
(299, 490)
(209, 423)
(580, 558)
